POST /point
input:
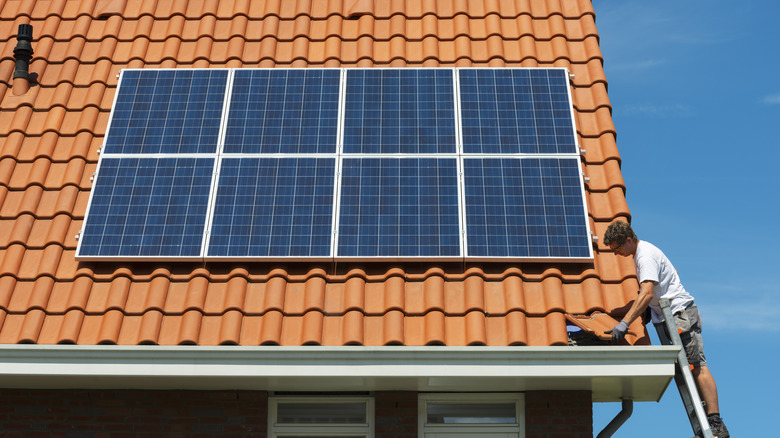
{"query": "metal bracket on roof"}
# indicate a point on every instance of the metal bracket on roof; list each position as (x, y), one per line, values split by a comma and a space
(582, 150)
(585, 178)
(571, 76)
(92, 178)
(594, 237)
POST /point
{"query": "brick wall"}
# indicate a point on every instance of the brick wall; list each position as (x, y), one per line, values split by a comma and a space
(125, 414)
(396, 414)
(142, 414)
(558, 414)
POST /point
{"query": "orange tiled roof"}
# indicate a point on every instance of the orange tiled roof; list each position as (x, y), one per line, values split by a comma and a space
(49, 138)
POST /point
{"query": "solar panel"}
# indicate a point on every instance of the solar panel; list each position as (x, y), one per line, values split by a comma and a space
(399, 207)
(283, 111)
(167, 112)
(273, 207)
(510, 111)
(405, 111)
(525, 207)
(405, 163)
(150, 207)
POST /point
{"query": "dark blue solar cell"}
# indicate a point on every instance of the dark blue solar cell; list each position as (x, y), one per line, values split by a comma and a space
(399, 207)
(148, 207)
(510, 111)
(524, 208)
(167, 111)
(273, 207)
(283, 111)
(405, 111)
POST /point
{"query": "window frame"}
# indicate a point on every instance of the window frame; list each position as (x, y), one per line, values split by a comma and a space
(280, 430)
(467, 429)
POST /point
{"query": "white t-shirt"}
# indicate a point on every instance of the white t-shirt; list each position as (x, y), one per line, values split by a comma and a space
(652, 264)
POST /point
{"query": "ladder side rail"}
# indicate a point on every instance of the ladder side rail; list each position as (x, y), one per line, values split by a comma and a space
(682, 364)
(679, 381)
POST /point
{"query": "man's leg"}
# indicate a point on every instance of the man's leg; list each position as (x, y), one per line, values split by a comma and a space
(707, 388)
(690, 323)
(708, 392)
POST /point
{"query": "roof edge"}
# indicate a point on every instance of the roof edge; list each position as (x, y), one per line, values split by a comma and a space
(611, 373)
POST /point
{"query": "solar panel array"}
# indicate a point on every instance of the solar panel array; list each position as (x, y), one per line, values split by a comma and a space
(339, 163)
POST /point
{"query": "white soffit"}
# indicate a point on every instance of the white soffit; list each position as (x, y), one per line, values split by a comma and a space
(640, 373)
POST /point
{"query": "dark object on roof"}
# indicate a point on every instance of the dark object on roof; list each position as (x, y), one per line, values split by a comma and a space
(23, 51)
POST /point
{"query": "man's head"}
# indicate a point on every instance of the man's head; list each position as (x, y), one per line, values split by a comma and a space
(621, 238)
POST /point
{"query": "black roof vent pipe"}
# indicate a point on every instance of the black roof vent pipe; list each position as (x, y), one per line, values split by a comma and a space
(23, 54)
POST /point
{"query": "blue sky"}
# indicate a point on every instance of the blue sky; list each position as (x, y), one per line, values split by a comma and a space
(696, 103)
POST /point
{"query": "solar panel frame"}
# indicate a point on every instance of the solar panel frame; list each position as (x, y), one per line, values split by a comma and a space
(563, 90)
(391, 153)
(134, 202)
(441, 100)
(115, 128)
(225, 154)
(583, 237)
(573, 153)
(380, 251)
(216, 221)
(286, 131)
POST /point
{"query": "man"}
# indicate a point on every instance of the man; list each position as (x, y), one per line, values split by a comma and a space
(658, 279)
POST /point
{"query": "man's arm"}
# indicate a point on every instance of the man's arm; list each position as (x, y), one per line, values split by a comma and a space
(641, 302)
(638, 308)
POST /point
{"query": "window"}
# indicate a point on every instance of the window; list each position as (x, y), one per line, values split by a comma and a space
(322, 417)
(472, 415)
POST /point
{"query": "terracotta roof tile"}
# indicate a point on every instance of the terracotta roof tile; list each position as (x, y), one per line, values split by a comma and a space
(183, 297)
(182, 329)
(39, 233)
(140, 329)
(101, 329)
(12, 328)
(598, 323)
(49, 139)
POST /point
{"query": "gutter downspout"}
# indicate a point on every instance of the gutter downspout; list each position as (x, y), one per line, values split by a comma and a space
(620, 418)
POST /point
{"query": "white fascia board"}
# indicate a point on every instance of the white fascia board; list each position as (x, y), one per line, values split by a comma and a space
(641, 373)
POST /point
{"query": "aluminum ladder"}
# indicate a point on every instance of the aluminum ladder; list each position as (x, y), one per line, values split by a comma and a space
(683, 376)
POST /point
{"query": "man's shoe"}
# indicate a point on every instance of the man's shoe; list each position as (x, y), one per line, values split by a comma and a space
(718, 428)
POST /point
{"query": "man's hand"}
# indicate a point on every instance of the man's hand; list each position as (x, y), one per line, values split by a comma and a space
(619, 331)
